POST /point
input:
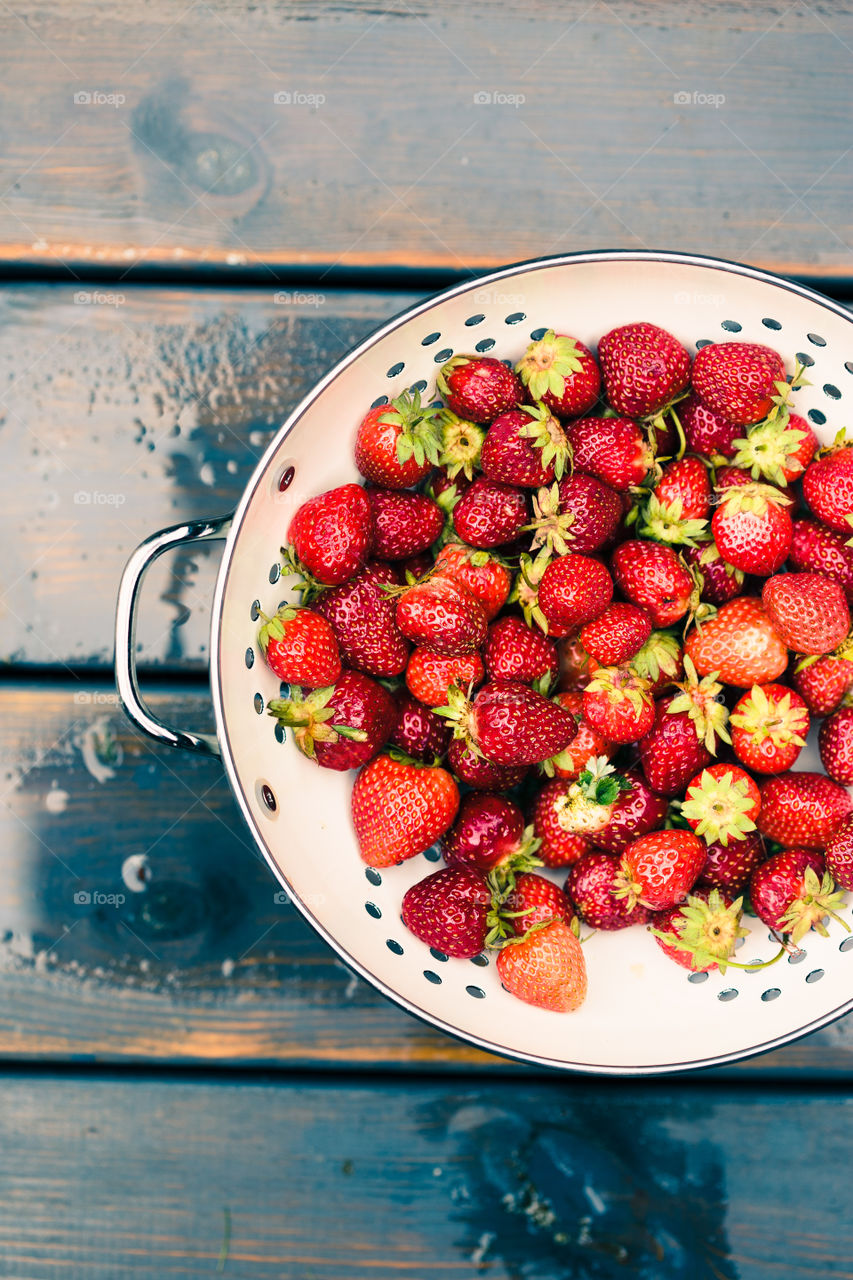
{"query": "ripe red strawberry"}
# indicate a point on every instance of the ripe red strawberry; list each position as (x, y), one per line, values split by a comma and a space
(702, 933)
(660, 869)
(678, 508)
(478, 772)
(399, 810)
(808, 611)
(643, 367)
(535, 901)
(562, 373)
(525, 593)
(721, 804)
(515, 651)
(729, 866)
(769, 726)
(560, 845)
(836, 745)
(448, 910)
(792, 892)
(490, 514)
(396, 444)
(706, 431)
(590, 889)
(740, 643)
(364, 620)
(618, 704)
(738, 379)
(487, 831)
(660, 661)
(611, 449)
(404, 523)
(752, 528)
(823, 684)
(578, 514)
(617, 634)
(442, 616)
(636, 811)
(419, 732)
(802, 809)
(574, 590)
(430, 675)
(684, 736)
(485, 577)
(510, 723)
(525, 447)
(461, 443)
(331, 534)
(341, 727)
(300, 647)
(653, 577)
(839, 855)
(828, 488)
(587, 744)
(816, 549)
(574, 664)
(546, 969)
(719, 581)
(478, 387)
(779, 449)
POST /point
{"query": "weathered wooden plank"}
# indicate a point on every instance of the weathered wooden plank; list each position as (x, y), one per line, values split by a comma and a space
(130, 1178)
(317, 135)
(201, 962)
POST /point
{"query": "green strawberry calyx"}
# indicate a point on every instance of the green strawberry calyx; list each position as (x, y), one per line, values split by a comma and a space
(548, 437)
(420, 433)
(461, 443)
(754, 499)
(551, 527)
(719, 809)
(698, 698)
(310, 717)
(273, 628)
(774, 719)
(816, 904)
(709, 932)
(459, 711)
(765, 449)
(525, 589)
(663, 522)
(660, 655)
(306, 586)
(620, 684)
(547, 364)
(455, 362)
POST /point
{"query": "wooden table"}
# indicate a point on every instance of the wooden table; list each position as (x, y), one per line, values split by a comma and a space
(201, 209)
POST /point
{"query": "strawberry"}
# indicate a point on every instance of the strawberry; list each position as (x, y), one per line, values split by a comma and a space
(659, 869)
(399, 810)
(300, 647)
(769, 726)
(546, 969)
(684, 736)
(660, 661)
(515, 651)
(828, 488)
(574, 664)
(792, 892)
(331, 534)
(478, 387)
(525, 593)
(611, 449)
(461, 445)
(618, 704)
(729, 866)
(560, 846)
(636, 811)
(719, 581)
(802, 808)
(525, 447)
(740, 644)
(510, 724)
(583, 807)
(678, 507)
(835, 742)
(752, 528)
(562, 373)
(535, 901)
(449, 910)
(721, 804)
(574, 590)
(478, 772)
(702, 933)
(653, 577)
(413, 568)
(617, 634)
(396, 444)
(590, 889)
(706, 431)
(487, 831)
(404, 523)
(341, 727)
(808, 611)
(364, 621)
(816, 549)
(578, 514)
(584, 746)
(489, 514)
(738, 379)
(823, 684)
(442, 616)
(644, 368)
(779, 449)
(839, 855)
(419, 732)
(429, 675)
(485, 577)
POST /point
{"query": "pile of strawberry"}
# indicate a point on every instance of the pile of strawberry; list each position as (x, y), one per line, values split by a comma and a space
(579, 616)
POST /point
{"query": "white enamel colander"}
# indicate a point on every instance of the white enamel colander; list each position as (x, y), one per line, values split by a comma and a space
(643, 1014)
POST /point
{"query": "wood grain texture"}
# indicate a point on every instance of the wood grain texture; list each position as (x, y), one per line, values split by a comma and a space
(270, 136)
(202, 962)
(304, 1182)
